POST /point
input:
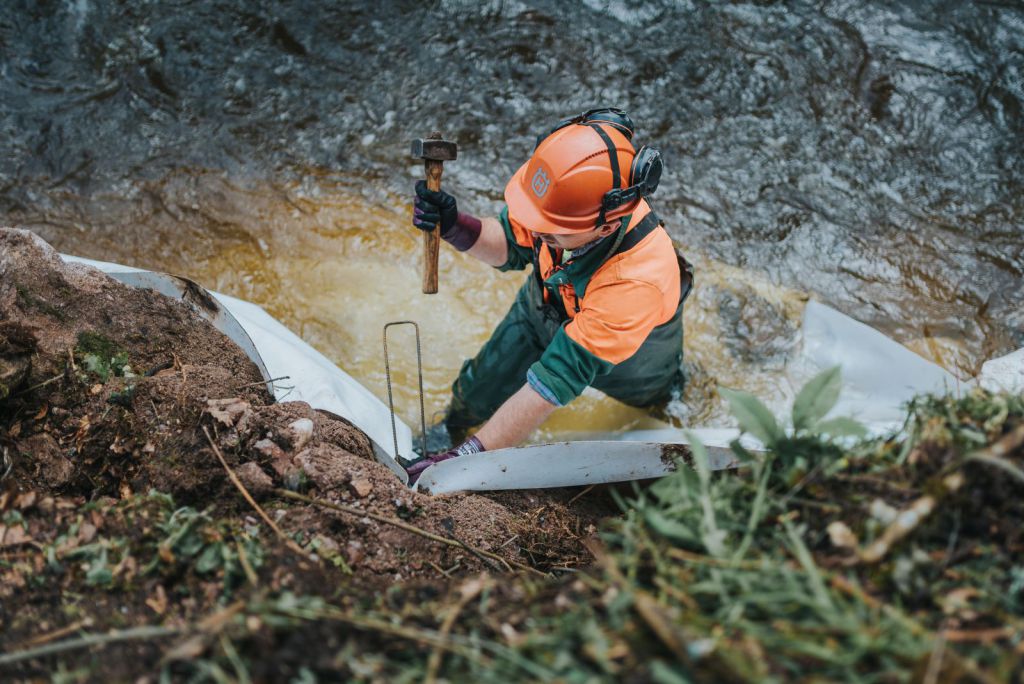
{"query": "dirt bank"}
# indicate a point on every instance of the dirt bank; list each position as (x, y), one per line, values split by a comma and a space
(117, 511)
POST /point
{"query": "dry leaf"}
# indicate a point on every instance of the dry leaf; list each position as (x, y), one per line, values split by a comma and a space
(158, 601)
(86, 533)
(83, 429)
(842, 536)
(127, 568)
(227, 411)
(165, 554)
(25, 500)
(190, 649)
(13, 536)
(470, 589)
(959, 600)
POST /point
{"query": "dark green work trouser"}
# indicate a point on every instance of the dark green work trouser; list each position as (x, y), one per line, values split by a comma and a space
(647, 378)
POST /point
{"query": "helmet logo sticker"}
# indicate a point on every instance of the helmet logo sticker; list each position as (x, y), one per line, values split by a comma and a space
(540, 182)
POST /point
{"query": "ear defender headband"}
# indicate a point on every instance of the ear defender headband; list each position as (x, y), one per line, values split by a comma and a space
(606, 115)
(644, 172)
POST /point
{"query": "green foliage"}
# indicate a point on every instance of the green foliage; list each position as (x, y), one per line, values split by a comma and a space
(191, 537)
(812, 404)
(94, 559)
(816, 399)
(102, 357)
(739, 569)
(168, 541)
(753, 416)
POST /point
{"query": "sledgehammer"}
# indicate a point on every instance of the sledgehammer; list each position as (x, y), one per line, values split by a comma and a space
(434, 151)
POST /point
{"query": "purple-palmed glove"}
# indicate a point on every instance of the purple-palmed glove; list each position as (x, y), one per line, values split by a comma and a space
(470, 446)
(432, 208)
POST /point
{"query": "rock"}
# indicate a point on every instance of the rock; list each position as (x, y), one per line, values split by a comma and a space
(299, 432)
(13, 536)
(255, 480)
(86, 533)
(326, 546)
(291, 424)
(354, 551)
(52, 466)
(230, 412)
(279, 460)
(842, 536)
(327, 467)
(267, 448)
(361, 487)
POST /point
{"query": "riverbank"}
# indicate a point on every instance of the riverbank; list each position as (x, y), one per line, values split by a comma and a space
(128, 549)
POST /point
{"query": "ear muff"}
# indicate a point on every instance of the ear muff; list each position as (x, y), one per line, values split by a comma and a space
(644, 177)
(645, 172)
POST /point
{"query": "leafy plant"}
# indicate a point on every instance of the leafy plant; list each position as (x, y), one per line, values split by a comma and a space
(192, 537)
(814, 401)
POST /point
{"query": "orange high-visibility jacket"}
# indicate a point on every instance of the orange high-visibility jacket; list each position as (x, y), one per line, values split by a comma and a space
(610, 299)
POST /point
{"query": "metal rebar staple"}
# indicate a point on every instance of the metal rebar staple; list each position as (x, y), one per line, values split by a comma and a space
(419, 370)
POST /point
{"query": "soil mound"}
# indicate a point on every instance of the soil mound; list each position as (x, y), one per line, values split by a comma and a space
(116, 405)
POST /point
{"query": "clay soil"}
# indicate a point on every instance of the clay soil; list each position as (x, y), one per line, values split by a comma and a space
(118, 514)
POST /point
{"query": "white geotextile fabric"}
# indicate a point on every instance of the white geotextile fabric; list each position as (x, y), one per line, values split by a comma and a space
(879, 376)
(1005, 373)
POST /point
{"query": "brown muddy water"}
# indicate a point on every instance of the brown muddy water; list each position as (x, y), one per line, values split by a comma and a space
(865, 154)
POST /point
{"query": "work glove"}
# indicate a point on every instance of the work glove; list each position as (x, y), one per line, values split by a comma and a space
(470, 446)
(431, 208)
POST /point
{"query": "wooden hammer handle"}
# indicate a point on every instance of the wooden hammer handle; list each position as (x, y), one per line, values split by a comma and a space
(431, 238)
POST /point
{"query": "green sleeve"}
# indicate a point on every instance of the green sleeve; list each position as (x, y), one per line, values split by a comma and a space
(565, 369)
(519, 257)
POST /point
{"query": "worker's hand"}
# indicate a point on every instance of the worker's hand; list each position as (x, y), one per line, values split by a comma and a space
(470, 446)
(431, 208)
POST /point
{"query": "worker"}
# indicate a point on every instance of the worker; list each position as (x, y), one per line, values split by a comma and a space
(603, 307)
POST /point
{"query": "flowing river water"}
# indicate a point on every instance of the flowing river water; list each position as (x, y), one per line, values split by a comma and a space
(865, 154)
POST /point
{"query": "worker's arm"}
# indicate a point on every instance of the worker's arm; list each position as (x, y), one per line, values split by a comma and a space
(515, 420)
(511, 424)
(491, 247)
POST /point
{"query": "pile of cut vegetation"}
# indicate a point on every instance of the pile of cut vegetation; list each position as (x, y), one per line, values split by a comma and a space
(831, 558)
(150, 484)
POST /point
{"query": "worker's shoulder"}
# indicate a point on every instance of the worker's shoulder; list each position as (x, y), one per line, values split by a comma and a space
(652, 261)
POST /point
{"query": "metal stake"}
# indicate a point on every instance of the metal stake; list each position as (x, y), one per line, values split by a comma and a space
(419, 370)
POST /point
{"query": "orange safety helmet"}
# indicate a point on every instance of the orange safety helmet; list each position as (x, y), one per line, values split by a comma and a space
(572, 182)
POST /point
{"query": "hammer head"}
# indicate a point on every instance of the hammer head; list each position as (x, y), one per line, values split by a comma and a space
(435, 148)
